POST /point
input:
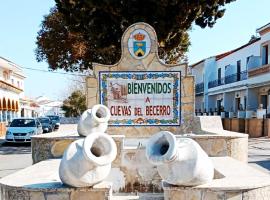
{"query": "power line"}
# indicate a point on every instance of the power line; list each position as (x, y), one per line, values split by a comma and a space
(63, 73)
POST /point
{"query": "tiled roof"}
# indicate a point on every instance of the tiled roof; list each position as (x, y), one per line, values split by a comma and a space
(218, 57)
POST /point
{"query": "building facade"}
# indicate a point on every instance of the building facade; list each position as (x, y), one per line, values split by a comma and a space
(49, 107)
(236, 82)
(11, 90)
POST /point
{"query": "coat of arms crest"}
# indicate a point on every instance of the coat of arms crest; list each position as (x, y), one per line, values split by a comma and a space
(139, 43)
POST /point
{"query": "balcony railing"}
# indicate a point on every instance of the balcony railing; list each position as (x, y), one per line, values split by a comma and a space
(199, 88)
(228, 79)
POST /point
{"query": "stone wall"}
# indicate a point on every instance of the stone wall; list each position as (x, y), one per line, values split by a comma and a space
(233, 180)
(42, 182)
(49, 146)
(187, 193)
(16, 193)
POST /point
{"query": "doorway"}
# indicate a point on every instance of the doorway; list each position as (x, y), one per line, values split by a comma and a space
(237, 104)
(219, 76)
(238, 73)
(22, 112)
(264, 101)
(219, 106)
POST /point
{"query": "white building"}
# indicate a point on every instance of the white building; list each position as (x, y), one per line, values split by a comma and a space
(11, 89)
(237, 81)
(49, 107)
(29, 108)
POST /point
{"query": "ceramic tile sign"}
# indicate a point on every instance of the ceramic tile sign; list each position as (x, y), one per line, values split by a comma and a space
(142, 98)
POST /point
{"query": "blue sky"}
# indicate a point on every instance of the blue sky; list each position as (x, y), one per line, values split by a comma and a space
(234, 29)
(20, 22)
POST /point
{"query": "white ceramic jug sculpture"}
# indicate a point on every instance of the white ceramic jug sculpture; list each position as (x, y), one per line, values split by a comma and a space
(88, 161)
(179, 161)
(94, 120)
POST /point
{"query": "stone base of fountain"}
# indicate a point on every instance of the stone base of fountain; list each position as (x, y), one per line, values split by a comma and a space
(41, 182)
(233, 180)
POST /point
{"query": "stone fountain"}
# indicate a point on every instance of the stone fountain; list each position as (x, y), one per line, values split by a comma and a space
(138, 101)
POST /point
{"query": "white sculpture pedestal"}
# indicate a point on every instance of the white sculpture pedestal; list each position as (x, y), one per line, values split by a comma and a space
(41, 182)
(234, 180)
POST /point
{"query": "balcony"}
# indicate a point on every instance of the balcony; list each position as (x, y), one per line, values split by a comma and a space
(259, 70)
(228, 79)
(7, 86)
(199, 88)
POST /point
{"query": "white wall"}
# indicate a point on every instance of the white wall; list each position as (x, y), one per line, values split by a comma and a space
(198, 72)
(253, 49)
(212, 101)
(252, 99)
(229, 101)
(231, 69)
(242, 54)
(199, 103)
(209, 68)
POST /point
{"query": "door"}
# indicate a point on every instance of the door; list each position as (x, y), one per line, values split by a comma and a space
(238, 73)
(264, 101)
(219, 76)
(237, 104)
(219, 105)
(245, 103)
(265, 55)
(22, 112)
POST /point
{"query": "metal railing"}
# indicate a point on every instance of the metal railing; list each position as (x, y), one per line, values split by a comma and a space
(199, 88)
(228, 79)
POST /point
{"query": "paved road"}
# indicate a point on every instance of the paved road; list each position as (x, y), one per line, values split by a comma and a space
(14, 157)
(259, 153)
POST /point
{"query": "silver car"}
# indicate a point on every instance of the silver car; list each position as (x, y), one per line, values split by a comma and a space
(21, 129)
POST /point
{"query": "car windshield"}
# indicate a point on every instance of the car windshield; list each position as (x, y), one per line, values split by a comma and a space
(44, 120)
(23, 123)
(55, 118)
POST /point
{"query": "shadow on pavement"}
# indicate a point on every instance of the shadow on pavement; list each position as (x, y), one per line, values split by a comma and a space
(263, 163)
(15, 148)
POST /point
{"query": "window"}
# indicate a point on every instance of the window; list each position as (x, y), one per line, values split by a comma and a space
(264, 101)
(219, 76)
(5, 75)
(237, 104)
(12, 81)
(23, 123)
(238, 72)
(245, 102)
(248, 58)
(265, 55)
(18, 84)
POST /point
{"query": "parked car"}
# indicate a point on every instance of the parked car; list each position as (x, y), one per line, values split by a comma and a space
(21, 129)
(47, 124)
(55, 121)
